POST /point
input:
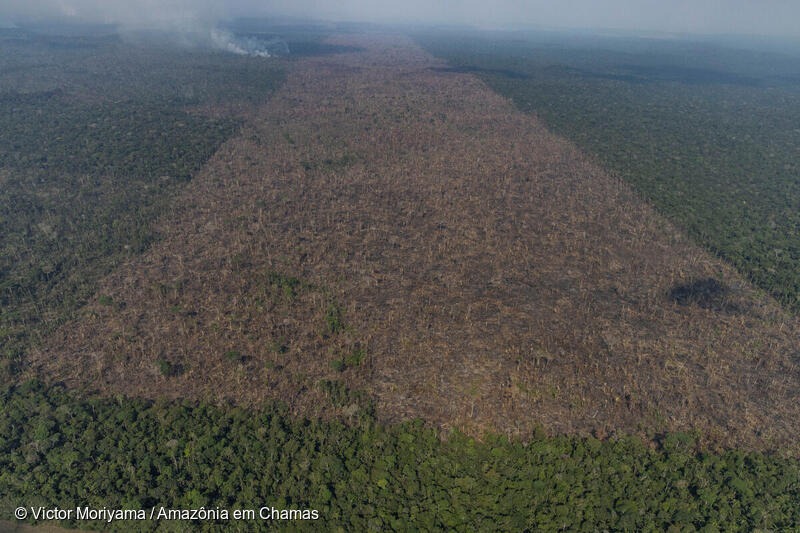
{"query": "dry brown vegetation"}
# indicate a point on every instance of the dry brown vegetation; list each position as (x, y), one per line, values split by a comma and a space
(486, 273)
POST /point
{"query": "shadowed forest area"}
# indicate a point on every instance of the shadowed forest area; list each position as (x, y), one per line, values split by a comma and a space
(355, 278)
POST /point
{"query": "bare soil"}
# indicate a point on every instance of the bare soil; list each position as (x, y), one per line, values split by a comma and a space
(492, 276)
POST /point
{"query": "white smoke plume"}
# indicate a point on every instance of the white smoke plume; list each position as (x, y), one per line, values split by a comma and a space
(248, 45)
(184, 22)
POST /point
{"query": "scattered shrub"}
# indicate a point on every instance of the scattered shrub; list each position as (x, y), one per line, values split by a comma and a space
(234, 355)
(333, 319)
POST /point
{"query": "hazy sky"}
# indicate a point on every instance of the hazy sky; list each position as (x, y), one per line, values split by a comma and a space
(765, 17)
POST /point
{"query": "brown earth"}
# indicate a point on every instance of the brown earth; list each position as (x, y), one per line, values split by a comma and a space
(492, 276)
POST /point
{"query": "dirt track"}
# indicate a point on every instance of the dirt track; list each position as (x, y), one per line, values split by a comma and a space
(495, 277)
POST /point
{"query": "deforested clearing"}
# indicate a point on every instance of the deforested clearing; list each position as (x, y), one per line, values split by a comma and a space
(394, 225)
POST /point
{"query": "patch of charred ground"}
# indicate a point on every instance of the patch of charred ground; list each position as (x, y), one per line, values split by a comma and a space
(444, 253)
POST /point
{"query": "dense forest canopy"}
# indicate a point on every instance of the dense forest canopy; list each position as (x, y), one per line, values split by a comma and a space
(56, 449)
